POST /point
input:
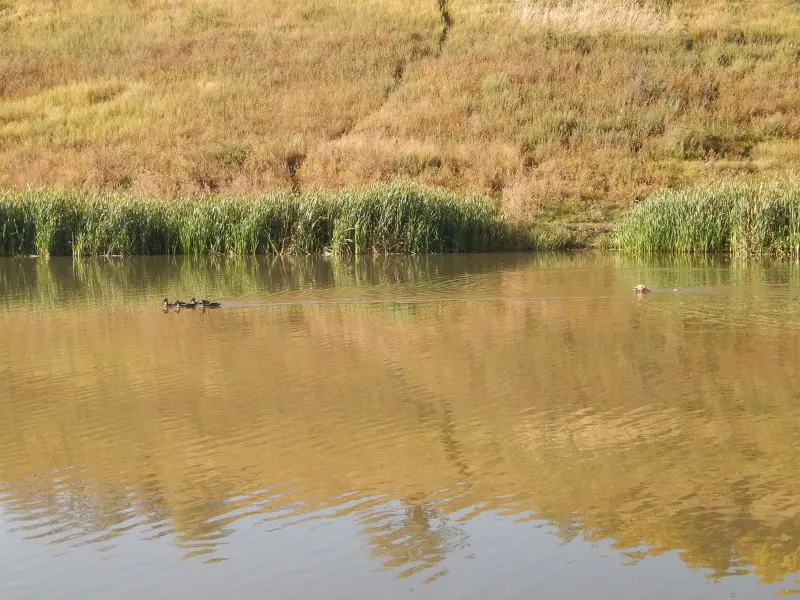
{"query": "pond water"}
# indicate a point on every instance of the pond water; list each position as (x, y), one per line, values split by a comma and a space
(500, 426)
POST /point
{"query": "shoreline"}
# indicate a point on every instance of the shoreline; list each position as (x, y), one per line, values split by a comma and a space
(733, 218)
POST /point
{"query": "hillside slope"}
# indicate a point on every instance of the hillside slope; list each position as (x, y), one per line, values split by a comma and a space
(564, 110)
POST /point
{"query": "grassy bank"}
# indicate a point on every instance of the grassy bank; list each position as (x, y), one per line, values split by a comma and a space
(384, 219)
(564, 110)
(742, 218)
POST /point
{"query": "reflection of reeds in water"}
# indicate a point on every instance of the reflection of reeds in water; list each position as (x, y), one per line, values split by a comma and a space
(102, 284)
(610, 419)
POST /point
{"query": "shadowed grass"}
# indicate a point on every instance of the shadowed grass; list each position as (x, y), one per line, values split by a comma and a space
(743, 218)
(378, 219)
(547, 236)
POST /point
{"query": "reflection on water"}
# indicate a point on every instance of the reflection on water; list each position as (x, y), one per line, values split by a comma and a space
(535, 390)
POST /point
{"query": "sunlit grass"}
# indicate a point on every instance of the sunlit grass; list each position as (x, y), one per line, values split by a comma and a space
(577, 108)
(740, 217)
(379, 219)
(599, 15)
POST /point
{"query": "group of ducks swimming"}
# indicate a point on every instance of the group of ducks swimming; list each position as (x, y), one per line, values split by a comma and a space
(178, 305)
(203, 304)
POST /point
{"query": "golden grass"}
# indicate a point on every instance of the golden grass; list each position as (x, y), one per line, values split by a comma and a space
(564, 110)
(598, 15)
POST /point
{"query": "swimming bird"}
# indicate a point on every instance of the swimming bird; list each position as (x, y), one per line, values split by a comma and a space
(641, 289)
(176, 304)
(207, 304)
(191, 304)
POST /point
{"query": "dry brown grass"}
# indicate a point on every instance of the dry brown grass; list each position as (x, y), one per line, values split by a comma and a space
(564, 110)
(593, 16)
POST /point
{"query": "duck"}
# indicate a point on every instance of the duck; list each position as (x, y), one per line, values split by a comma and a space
(177, 304)
(191, 304)
(207, 304)
(641, 289)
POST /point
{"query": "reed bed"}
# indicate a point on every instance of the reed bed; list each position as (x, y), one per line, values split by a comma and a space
(379, 219)
(741, 218)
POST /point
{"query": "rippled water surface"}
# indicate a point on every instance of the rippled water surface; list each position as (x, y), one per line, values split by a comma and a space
(491, 426)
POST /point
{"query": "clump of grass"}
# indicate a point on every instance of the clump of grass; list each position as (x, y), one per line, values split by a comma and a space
(106, 224)
(399, 221)
(739, 217)
(379, 219)
(554, 237)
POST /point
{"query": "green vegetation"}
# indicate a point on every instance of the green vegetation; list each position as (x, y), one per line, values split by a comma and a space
(566, 111)
(385, 219)
(742, 218)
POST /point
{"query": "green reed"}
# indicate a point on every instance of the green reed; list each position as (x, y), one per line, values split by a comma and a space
(742, 218)
(379, 219)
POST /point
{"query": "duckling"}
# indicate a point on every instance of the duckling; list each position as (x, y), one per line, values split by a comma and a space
(641, 289)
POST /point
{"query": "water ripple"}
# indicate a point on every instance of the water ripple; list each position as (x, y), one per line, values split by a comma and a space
(393, 427)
